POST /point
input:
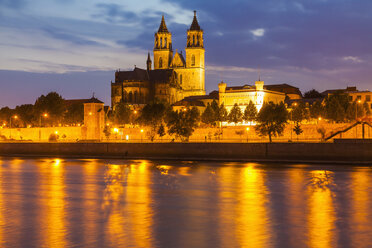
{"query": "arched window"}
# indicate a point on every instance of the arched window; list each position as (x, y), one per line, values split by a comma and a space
(130, 98)
(193, 60)
(135, 97)
(161, 42)
(125, 96)
(193, 40)
(181, 79)
(160, 62)
(165, 42)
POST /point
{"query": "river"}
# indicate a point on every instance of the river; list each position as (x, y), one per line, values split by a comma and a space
(55, 202)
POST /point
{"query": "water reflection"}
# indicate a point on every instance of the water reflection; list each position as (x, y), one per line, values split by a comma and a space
(361, 208)
(321, 216)
(127, 203)
(96, 203)
(52, 215)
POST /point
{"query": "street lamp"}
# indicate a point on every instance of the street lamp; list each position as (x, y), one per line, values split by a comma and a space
(45, 115)
(10, 125)
(356, 109)
(247, 129)
(141, 134)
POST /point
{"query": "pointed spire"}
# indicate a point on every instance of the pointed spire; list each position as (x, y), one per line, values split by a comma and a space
(195, 24)
(148, 57)
(163, 26)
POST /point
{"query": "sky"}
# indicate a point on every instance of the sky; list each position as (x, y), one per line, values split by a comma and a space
(74, 46)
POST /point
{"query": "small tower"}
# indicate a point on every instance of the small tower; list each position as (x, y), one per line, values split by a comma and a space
(195, 58)
(163, 52)
(148, 62)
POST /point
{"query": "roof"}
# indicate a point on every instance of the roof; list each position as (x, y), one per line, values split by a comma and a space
(195, 24)
(163, 27)
(244, 87)
(348, 89)
(138, 74)
(202, 97)
(186, 103)
(81, 101)
(285, 88)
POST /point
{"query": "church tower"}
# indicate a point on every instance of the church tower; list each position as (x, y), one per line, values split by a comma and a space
(163, 52)
(195, 59)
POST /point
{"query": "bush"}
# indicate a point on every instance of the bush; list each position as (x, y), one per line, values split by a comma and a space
(53, 137)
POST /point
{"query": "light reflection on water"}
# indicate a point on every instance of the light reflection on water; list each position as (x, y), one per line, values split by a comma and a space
(113, 203)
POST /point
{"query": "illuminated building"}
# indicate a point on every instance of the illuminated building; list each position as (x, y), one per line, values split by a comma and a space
(242, 95)
(173, 77)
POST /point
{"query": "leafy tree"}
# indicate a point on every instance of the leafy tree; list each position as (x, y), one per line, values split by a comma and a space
(25, 113)
(122, 113)
(355, 110)
(366, 109)
(152, 115)
(297, 129)
(312, 94)
(53, 104)
(5, 114)
(336, 106)
(299, 112)
(107, 131)
(317, 110)
(183, 123)
(74, 114)
(271, 119)
(161, 130)
(235, 114)
(250, 112)
(209, 117)
(221, 114)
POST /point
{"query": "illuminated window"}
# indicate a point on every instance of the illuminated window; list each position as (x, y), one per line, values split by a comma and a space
(165, 42)
(359, 98)
(193, 60)
(368, 98)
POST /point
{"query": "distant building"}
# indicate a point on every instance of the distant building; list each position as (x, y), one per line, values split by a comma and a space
(242, 95)
(354, 95)
(173, 77)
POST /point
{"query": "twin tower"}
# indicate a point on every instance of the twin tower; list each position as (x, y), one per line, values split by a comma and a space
(190, 72)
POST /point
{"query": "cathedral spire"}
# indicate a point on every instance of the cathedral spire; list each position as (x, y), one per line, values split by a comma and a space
(148, 62)
(163, 26)
(195, 24)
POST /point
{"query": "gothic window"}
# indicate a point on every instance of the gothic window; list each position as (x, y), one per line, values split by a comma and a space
(130, 98)
(181, 79)
(193, 40)
(165, 42)
(135, 97)
(193, 60)
(161, 42)
(160, 62)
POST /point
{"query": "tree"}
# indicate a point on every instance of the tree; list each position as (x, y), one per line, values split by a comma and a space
(250, 112)
(235, 114)
(122, 113)
(25, 113)
(107, 131)
(366, 109)
(152, 115)
(53, 104)
(312, 94)
(271, 119)
(317, 110)
(74, 114)
(209, 117)
(183, 123)
(5, 114)
(161, 130)
(298, 112)
(221, 113)
(297, 129)
(336, 106)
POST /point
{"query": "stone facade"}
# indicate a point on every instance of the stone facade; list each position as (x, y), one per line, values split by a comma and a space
(242, 95)
(172, 78)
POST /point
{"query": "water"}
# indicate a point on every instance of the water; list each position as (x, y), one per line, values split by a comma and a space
(117, 203)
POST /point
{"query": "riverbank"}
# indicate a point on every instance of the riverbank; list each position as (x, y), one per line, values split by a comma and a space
(283, 152)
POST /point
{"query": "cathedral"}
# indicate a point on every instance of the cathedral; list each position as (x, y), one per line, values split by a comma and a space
(173, 76)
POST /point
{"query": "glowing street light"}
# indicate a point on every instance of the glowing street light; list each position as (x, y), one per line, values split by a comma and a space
(45, 115)
(10, 124)
(141, 134)
(247, 129)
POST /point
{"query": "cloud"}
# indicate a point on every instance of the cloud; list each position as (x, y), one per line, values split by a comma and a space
(258, 32)
(352, 59)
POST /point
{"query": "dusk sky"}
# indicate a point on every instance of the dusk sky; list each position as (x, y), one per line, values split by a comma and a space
(74, 46)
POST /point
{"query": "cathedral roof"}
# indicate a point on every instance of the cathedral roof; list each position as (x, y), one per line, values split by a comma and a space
(138, 74)
(163, 26)
(285, 88)
(195, 24)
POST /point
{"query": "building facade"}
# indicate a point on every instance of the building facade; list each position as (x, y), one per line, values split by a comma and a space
(173, 76)
(242, 95)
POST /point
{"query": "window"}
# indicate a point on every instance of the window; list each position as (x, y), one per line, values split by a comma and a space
(368, 98)
(130, 98)
(193, 60)
(181, 79)
(193, 40)
(160, 62)
(165, 42)
(359, 98)
(135, 97)
(350, 98)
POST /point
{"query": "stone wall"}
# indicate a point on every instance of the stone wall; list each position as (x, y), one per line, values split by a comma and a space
(42, 134)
